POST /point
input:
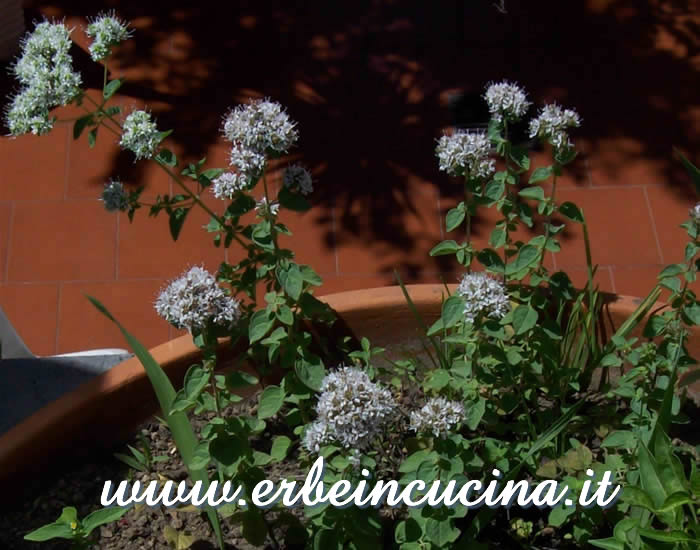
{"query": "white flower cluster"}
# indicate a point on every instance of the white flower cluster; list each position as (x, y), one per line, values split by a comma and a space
(506, 101)
(695, 213)
(298, 177)
(107, 31)
(465, 154)
(194, 299)
(227, 184)
(352, 411)
(257, 130)
(261, 126)
(45, 72)
(140, 135)
(552, 124)
(266, 209)
(438, 416)
(483, 295)
(115, 196)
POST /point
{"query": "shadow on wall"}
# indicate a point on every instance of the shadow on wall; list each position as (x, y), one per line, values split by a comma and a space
(369, 83)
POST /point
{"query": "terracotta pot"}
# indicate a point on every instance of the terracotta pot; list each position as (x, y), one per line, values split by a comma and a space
(111, 405)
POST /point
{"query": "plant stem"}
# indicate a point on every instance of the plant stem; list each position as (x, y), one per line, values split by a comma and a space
(547, 233)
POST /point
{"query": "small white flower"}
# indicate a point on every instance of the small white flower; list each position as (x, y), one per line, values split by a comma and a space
(107, 30)
(29, 113)
(247, 161)
(265, 209)
(353, 409)
(315, 436)
(228, 184)
(507, 101)
(465, 154)
(140, 135)
(355, 458)
(695, 213)
(438, 416)
(195, 299)
(262, 126)
(45, 72)
(115, 196)
(552, 124)
(483, 295)
(298, 177)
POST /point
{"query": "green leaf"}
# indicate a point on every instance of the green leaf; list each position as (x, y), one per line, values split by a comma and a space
(524, 318)
(80, 125)
(103, 516)
(111, 88)
(608, 544)
(179, 425)
(490, 259)
(196, 380)
(54, 530)
(666, 536)
(176, 221)
(438, 379)
(260, 324)
(310, 374)
(559, 514)
(92, 137)
(441, 533)
(671, 271)
(620, 438)
(445, 247)
(675, 500)
(475, 414)
(452, 311)
(571, 211)
(454, 217)
(280, 446)
(293, 201)
(166, 157)
(293, 282)
(240, 379)
(535, 192)
(527, 255)
(494, 189)
(271, 401)
(655, 325)
(540, 174)
(201, 456)
(635, 496)
(254, 528)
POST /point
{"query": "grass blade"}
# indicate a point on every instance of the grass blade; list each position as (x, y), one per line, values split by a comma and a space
(178, 422)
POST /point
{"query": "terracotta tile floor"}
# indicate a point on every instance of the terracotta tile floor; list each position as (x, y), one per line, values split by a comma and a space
(369, 88)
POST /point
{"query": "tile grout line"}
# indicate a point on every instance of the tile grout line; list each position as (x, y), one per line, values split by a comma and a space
(59, 288)
(335, 241)
(653, 225)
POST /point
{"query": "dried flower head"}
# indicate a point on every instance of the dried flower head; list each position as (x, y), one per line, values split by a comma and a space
(483, 296)
(552, 124)
(107, 30)
(352, 410)
(115, 196)
(195, 299)
(45, 72)
(266, 209)
(228, 184)
(262, 126)
(297, 177)
(465, 154)
(140, 135)
(506, 101)
(438, 416)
